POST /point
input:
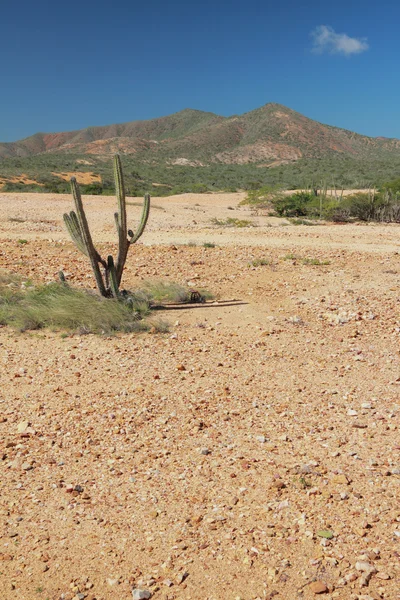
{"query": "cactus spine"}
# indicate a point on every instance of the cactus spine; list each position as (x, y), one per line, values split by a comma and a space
(108, 283)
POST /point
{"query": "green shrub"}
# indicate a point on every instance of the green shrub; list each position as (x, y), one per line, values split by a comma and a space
(296, 205)
(363, 206)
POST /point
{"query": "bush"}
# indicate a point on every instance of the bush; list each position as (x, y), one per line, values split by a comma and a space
(363, 206)
(296, 205)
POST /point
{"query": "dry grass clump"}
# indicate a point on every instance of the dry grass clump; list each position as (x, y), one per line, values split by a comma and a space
(232, 222)
(24, 306)
(58, 306)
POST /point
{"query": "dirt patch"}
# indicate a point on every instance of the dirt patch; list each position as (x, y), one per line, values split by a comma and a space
(19, 179)
(252, 452)
(84, 178)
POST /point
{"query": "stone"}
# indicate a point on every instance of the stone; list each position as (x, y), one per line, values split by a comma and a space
(383, 575)
(278, 484)
(140, 594)
(22, 426)
(318, 587)
(181, 577)
(341, 479)
(365, 567)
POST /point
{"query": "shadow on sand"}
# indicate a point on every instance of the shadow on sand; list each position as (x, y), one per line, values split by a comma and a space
(189, 305)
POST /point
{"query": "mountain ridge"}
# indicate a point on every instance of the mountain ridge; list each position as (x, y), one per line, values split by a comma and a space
(272, 132)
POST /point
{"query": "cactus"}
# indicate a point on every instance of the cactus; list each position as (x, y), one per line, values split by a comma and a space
(108, 282)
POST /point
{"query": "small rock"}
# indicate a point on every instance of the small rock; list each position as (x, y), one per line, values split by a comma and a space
(318, 587)
(383, 575)
(22, 426)
(278, 484)
(365, 567)
(205, 451)
(352, 413)
(181, 577)
(342, 479)
(139, 594)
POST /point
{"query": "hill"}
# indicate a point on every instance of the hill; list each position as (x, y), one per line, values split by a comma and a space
(270, 133)
(195, 151)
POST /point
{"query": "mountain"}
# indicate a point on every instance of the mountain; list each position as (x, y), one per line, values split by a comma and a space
(272, 134)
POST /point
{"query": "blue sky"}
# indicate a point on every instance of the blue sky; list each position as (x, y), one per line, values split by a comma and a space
(70, 65)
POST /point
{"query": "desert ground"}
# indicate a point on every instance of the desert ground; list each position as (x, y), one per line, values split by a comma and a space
(252, 452)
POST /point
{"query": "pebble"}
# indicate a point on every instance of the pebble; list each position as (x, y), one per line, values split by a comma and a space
(318, 587)
(205, 451)
(140, 594)
(365, 567)
(22, 426)
(383, 575)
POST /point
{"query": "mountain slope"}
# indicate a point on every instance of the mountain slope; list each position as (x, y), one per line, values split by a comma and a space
(270, 133)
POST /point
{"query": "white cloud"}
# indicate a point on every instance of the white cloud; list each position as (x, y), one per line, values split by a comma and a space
(327, 40)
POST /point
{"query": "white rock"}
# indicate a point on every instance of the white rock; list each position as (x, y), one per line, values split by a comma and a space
(139, 594)
(366, 567)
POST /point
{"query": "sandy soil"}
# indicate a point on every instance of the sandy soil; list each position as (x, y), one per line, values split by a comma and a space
(251, 452)
(84, 177)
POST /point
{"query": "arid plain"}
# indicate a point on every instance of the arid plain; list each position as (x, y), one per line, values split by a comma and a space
(253, 451)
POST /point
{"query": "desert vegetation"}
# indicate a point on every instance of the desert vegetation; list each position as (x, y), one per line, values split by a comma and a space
(175, 179)
(108, 282)
(314, 202)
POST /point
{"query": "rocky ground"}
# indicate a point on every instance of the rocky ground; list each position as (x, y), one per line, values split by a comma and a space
(251, 452)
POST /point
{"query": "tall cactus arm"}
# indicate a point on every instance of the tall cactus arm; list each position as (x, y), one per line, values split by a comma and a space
(71, 223)
(120, 218)
(143, 221)
(120, 191)
(87, 238)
